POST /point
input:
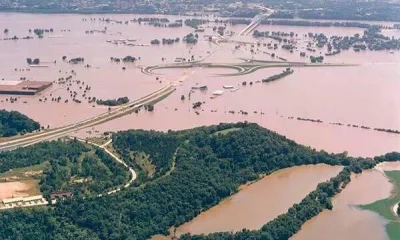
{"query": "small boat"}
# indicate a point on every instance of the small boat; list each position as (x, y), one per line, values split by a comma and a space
(203, 88)
(38, 66)
(391, 52)
(235, 89)
(227, 87)
(218, 93)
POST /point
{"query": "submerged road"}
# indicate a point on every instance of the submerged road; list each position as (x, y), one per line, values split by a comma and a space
(23, 141)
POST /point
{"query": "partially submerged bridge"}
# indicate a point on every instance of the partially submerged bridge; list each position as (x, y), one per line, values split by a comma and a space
(256, 21)
(253, 24)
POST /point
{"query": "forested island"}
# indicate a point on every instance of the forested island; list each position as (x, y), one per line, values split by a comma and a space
(275, 77)
(13, 123)
(181, 173)
(113, 102)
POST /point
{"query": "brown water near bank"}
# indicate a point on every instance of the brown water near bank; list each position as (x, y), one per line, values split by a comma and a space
(331, 99)
(261, 201)
(346, 220)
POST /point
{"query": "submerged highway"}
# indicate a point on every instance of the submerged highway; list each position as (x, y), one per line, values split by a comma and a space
(29, 139)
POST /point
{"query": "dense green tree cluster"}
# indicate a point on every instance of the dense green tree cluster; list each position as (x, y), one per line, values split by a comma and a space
(35, 61)
(164, 41)
(191, 38)
(210, 164)
(371, 39)
(275, 77)
(125, 59)
(152, 20)
(113, 102)
(150, 107)
(194, 22)
(68, 161)
(129, 59)
(13, 123)
(155, 42)
(76, 60)
(316, 59)
(39, 153)
(170, 25)
(39, 32)
(88, 174)
(161, 147)
(39, 223)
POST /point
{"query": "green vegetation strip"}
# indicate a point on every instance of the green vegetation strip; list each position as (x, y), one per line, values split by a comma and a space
(25, 173)
(194, 170)
(384, 207)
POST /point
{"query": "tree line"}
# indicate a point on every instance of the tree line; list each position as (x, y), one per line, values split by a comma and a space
(13, 123)
(113, 102)
(86, 174)
(210, 165)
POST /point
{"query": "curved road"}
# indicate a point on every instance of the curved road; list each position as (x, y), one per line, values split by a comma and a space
(133, 173)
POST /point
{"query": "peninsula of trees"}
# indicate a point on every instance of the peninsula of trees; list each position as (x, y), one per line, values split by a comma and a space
(13, 123)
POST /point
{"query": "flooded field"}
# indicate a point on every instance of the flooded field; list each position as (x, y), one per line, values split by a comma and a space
(347, 220)
(261, 201)
(364, 94)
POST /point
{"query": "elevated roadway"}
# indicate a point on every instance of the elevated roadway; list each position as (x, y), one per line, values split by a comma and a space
(256, 21)
(23, 141)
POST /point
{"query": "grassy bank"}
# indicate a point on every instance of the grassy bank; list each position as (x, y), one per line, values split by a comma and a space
(384, 207)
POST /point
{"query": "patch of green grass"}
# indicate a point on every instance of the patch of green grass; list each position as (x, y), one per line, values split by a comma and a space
(393, 230)
(25, 173)
(384, 207)
(98, 140)
(144, 161)
(226, 131)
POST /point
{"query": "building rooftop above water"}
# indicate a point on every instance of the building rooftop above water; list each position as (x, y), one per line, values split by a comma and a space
(23, 87)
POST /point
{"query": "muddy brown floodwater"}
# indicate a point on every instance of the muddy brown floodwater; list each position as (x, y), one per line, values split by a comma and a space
(366, 94)
(261, 201)
(346, 220)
